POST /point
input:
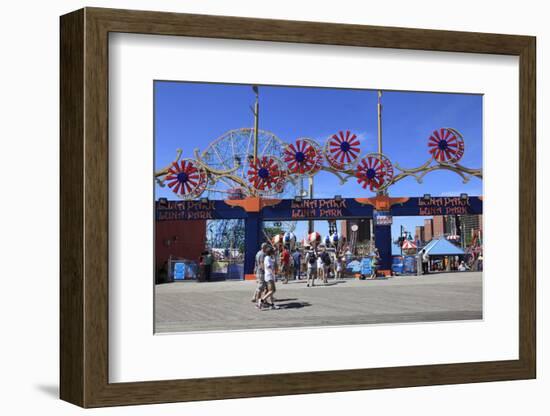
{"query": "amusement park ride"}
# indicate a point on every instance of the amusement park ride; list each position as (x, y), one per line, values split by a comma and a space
(253, 169)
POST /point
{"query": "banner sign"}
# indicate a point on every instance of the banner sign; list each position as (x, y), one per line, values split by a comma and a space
(318, 208)
(328, 208)
(397, 264)
(443, 206)
(409, 264)
(366, 268)
(179, 271)
(383, 218)
(354, 266)
(185, 210)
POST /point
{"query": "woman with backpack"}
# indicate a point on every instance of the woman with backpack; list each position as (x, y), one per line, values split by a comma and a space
(325, 264)
(311, 261)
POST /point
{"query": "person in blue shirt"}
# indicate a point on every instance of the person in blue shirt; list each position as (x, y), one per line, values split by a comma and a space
(297, 263)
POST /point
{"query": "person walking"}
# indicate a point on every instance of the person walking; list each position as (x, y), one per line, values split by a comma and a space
(266, 300)
(208, 260)
(285, 264)
(374, 265)
(297, 260)
(311, 261)
(320, 268)
(202, 268)
(425, 262)
(259, 272)
(326, 262)
(339, 267)
(419, 270)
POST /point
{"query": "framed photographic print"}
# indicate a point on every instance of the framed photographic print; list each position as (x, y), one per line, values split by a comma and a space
(255, 207)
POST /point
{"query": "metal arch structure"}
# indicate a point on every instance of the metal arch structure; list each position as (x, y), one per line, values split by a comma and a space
(227, 161)
(227, 167)
(250, 162)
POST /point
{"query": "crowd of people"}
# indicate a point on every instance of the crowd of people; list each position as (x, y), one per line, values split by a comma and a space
(319, 264)
(426, 264)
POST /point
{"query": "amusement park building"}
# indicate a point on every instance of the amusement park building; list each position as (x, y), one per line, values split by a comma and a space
(470, 224)
(179, 239)
(419, 233)
(464, 226)
(438, 226)
(363, 232)
(428, 230)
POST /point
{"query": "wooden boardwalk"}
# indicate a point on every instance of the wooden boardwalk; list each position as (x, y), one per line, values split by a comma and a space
(219, 306)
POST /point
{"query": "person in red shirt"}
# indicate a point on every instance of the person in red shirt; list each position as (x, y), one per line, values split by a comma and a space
(285, 264)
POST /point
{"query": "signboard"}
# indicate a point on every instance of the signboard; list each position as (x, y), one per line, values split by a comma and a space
(354, 266)
(443, 206)
(330, 208)
(383, 218)
(318, 208)
(409, 264)
(184, 269)
(185, 210)
(366, 268)
(397, 264)
(179, 271)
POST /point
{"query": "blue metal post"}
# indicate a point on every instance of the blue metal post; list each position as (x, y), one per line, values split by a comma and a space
(252, 235)
(382, 240)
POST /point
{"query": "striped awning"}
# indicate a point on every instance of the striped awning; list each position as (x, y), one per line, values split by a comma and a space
(408, 245)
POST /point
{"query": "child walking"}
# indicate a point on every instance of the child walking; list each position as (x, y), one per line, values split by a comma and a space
(339, 267)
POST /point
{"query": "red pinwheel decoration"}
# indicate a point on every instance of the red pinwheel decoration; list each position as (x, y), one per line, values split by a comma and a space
(374, 171)
(342, 150)
(302, 157)
(446, 145)
(266, 174)
(186, 178)
(281, 182)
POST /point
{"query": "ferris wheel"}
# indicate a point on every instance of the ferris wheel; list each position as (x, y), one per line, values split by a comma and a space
(233, 152)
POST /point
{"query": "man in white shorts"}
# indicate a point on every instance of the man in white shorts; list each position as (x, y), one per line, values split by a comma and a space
(266, 300)
(259, 271)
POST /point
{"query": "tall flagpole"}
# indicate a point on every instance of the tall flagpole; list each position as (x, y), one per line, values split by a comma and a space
(310, 225)
(379, 106)
(379, 121)
(256, 118)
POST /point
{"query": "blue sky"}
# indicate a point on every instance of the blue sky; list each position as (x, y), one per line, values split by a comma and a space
(191, 115)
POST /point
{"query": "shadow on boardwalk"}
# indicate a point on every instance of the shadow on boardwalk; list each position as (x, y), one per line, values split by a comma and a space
(292, 305)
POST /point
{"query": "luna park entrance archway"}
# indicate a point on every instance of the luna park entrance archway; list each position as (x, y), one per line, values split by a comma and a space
(253, 211)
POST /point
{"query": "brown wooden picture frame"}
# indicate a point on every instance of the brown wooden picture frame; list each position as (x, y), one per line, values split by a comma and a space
(84, 207)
